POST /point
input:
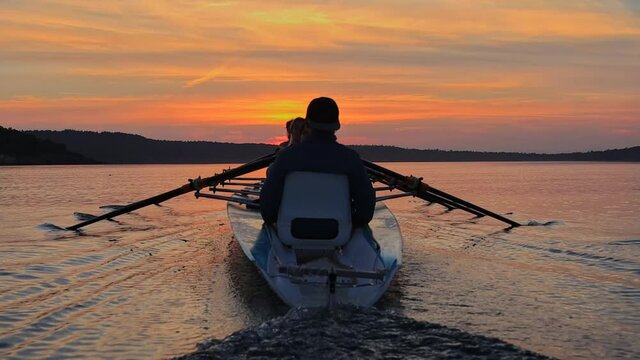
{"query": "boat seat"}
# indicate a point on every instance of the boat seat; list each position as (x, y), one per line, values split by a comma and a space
(315, 211)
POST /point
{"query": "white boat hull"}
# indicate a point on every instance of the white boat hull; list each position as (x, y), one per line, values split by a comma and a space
(363, 269)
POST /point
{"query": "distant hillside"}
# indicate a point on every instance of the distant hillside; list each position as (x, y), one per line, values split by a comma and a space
(121, 148)
(392, 153)
(20, 148)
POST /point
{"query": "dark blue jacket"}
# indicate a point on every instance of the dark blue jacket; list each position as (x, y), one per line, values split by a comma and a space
(319, 152)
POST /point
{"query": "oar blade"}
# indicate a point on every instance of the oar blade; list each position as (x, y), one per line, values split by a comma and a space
(49, 227)
(112, 207)
(83, 216)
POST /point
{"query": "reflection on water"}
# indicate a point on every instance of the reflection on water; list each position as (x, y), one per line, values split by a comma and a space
(166, 278)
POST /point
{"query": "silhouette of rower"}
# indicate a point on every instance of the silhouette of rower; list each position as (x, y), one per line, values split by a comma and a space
(295, 128)
(319, 151)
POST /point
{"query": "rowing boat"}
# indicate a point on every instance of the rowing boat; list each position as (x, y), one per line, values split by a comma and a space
(317, 272)
(313, 256)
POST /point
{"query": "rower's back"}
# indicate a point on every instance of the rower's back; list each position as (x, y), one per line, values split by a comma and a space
(319, 152)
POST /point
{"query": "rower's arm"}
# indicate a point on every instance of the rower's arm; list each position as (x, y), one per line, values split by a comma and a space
(364, 197)
(271, 192)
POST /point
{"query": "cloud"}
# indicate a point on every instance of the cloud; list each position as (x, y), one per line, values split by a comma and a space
(209, 76)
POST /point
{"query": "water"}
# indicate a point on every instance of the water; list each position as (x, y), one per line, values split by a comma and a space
(169, 277)
(355, 333)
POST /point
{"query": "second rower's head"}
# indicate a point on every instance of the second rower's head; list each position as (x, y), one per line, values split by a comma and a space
(323, 115)
(295, 129)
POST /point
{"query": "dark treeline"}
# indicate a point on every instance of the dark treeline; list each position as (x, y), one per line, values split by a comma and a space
(20, 148)
(121, 148)
(392, 153)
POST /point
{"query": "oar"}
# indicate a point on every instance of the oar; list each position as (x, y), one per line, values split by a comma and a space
(411, 187)
(193, 185)
(407, 183)
(394, 184)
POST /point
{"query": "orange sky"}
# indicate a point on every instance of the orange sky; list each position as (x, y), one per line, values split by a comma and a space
(484, 75)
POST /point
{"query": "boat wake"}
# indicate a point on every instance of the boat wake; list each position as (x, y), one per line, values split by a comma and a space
(351, 332)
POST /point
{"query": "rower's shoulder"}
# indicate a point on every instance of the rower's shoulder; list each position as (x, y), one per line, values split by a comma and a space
(334, 148)
(291, 153)
(284, 152)
(350, 151)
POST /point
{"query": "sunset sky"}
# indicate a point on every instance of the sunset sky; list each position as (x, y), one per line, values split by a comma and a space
(531, 75)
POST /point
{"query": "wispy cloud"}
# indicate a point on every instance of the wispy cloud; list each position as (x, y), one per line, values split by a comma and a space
(207, 77)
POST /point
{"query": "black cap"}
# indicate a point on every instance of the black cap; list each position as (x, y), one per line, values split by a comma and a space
(323, 114)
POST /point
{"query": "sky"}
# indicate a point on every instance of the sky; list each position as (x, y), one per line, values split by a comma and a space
(491, 75)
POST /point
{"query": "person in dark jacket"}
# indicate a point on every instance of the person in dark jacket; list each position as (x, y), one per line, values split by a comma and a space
(320, 152)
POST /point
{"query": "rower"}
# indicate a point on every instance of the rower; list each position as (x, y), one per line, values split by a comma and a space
(295, 128)
(319, 152)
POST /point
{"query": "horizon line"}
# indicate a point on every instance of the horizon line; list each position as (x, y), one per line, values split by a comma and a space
(379, 145)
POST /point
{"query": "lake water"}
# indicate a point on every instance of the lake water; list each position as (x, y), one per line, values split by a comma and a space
(168, 277)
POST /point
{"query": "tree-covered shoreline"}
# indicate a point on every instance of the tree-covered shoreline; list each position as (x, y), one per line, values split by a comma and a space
(89, 147)
(21, 148)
